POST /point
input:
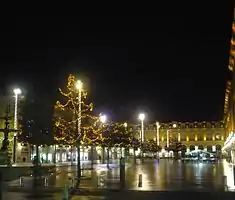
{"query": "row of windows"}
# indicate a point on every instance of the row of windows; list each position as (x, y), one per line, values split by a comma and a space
(202, 135)
(181, 126)
(196, 138)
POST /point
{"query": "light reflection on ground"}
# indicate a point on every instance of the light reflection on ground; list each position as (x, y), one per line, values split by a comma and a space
(156, 175)
(162, 175)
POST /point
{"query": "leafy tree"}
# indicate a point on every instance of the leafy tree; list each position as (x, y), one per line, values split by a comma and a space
(67, 117)
(175, 146)
(153, 147)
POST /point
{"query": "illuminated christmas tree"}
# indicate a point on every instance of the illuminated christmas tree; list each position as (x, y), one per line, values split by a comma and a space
(74, 122)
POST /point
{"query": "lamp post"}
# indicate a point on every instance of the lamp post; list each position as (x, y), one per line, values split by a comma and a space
(103, 119)
(125, 148)
(158, 126)
(141, 118)
(158, 143)
(79, 118)
(17, 92)
(167, 138)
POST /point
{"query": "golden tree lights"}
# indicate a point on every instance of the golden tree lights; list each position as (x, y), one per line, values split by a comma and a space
(67, 115)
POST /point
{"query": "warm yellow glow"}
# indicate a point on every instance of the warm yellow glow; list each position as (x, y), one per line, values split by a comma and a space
(174, 125)
(222, 137)
(195, 137)
(187, 138)
(79, 85)
(204, 138)
(178, 137)
(162, 138)
(158, 124)
(213, 137)
(125, 124)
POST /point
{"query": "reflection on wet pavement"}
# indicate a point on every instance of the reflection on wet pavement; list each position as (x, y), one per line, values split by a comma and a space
(162, 175)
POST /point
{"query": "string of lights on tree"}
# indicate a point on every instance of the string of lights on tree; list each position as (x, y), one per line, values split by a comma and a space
(93, 131)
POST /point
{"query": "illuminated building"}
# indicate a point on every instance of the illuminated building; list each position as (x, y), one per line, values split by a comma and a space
(207, 136)
(229, 109)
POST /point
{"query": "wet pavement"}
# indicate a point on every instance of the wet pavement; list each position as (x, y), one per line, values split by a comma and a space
(165, 175)
(159, 176)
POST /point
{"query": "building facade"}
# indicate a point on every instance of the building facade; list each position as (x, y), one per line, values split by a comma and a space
(229, 102)
(208, 136)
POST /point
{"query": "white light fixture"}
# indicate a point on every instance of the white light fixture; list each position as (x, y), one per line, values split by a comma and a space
(79, 84)
(103, 118)
(141, 116)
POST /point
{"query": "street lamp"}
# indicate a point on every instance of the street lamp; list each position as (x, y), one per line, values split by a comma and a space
(17, 92)
(103, 118)
(167, 138)
(78, 86)
(158, 126)
(141, 118)
(125, 125)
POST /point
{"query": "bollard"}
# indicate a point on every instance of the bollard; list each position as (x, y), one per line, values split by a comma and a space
(21, 181)
(140, 183)
(98, 181)
(225, 183)
(45, 181)
(72, 182)
(234, 175)
(1, 189)
(65, 193)
(122, 173)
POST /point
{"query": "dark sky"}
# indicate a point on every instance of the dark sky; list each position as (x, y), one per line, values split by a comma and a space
(172, 66)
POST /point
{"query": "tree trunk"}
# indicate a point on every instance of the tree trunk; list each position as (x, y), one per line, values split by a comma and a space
(36, 174)
(134, 156)
(103, 154)
(108, 157)
(78, 165)
(92, 156)
(176, 156)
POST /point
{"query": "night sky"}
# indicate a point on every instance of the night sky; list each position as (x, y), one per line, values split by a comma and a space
(171, 66)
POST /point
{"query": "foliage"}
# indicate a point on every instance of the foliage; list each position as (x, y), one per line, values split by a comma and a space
(66, 117)
(151, 146)
(174, 146)
(115, 135)
(134, 142)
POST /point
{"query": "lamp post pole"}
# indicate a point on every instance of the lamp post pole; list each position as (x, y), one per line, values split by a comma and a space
(79, 118)
(17, 92)
(141, 118)
(158, 126)
(167, 138)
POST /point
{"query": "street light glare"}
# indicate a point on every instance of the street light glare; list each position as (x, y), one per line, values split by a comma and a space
(142, 116)
(125, 124)
(174, 125)
(157, 124)
(79, 84)
(17, 91)
(103, 118)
